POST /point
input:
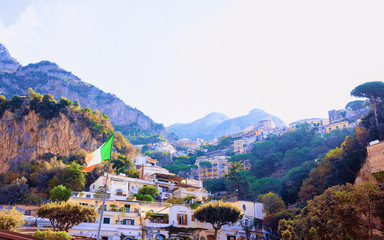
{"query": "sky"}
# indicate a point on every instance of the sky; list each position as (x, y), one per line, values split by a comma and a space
(177, 61)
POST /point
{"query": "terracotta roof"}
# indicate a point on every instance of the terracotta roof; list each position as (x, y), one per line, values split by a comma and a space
(5, 234)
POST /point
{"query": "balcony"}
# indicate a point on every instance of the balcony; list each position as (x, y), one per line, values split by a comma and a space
(90, 195)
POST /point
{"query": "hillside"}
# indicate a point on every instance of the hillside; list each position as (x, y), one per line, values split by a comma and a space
(201, 128)
(215, 125)
(48, 78)
(39, 128)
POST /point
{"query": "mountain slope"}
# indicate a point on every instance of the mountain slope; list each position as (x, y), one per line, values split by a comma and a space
(215, 125)
(38, 128)
(201, 128)
(240, 123)
(48, 78)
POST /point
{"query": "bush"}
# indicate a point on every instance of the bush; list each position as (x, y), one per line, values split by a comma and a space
(51, 235)
(11, 219)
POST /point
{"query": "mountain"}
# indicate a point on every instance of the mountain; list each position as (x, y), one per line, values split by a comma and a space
(201, 128)
(39, 128)
(48, 78)
(222, 126)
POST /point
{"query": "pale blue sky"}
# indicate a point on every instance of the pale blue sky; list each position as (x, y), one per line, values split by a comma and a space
(179, 60)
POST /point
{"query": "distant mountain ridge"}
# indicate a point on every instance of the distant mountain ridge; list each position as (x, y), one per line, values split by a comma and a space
(201, 128)
(48, 78)
(208, 129)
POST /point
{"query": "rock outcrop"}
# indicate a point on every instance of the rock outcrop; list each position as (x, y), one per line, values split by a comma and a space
(48, 78)
(31, 138)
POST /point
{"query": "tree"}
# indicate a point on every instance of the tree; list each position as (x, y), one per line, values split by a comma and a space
(272, 203)
(149, 190)
(60, 193)
(355, 105)
(218, 214)
(343, 212)
(73, 178)
(11, 219)
(65, 215)
(374, 91)
(286, 229)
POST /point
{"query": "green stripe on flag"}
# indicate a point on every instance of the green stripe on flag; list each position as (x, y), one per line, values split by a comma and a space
(106, 149)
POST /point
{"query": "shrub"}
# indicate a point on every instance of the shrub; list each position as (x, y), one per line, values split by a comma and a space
(11, 219)
(51, 235)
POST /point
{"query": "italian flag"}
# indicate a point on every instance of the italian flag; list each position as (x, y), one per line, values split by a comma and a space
(102, 153)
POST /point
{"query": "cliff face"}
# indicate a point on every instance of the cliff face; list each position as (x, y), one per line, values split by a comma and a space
(31, 138)
(48, 78)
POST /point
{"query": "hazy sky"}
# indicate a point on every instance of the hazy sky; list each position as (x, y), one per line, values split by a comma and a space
(179, 60)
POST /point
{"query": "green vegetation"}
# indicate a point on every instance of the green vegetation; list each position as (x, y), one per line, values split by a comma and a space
(374, 91)
(65, 215)
(11, 219)
(139, 136)
(218, 214)
(30, 182)
(60, 193)
(147, 193)
(343, 212)
(289, 158)
(181, 164)
(52, 235)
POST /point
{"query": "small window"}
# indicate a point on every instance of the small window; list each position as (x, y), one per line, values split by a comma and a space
(128, 222)
(244, 207)
(193, 218)
(88, 196)
(107, 220)
(182, 219)
(127, 208)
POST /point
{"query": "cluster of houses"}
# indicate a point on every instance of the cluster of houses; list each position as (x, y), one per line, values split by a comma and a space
(125, 216)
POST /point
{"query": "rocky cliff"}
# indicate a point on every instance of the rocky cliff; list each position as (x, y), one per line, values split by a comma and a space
(48, 78)
(37, 128)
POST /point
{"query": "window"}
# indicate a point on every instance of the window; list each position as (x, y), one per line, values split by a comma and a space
(127, 208)
(244, 207)
(107, 220)
(88, 196)
(128, 222)
(182, 219)
(193, 218)
(84, 204)
(119, 192)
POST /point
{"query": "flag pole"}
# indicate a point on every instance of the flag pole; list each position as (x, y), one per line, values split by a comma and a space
(102, 206)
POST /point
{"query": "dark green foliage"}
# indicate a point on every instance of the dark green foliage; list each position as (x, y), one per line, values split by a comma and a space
(181, 164)
(205, 164)
(60, 193)
(149, 190)
(177, 168)
(240, 157)
(293, 180)
(138, 136)
(356, 105)
(343, 212)
(215, 185)
(17, 192)
(141, 197)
